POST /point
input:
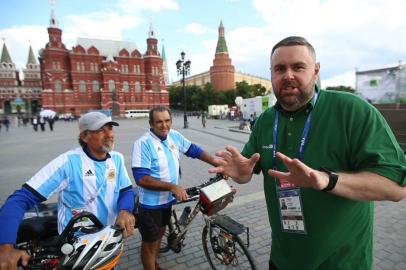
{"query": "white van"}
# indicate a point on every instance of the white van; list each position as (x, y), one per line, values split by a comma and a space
(136, 113)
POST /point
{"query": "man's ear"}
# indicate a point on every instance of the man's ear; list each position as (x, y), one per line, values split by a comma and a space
(317, 69)
(84, 137)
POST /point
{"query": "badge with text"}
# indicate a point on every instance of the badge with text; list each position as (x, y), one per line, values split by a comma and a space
(291, 210)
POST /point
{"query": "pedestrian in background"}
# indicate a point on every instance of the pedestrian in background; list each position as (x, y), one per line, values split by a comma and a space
(51, 122)
(204, 119)
(328, 155)
(34, 121)
(41, 121)
(6, 122)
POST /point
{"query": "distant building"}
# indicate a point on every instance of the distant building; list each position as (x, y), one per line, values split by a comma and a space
(100, 74)
(222, 74)
(382, 85)
(19, 95)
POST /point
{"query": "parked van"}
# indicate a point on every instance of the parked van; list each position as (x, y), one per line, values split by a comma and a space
(136, 113)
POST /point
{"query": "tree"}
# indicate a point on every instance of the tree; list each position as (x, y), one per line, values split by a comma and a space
(341, 88)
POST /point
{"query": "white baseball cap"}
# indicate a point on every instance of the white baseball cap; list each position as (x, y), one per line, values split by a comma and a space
(94, 121)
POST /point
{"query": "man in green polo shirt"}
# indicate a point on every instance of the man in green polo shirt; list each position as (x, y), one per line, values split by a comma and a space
(325, 156)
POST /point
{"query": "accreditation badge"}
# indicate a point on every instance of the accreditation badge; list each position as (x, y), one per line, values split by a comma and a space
(290, 209)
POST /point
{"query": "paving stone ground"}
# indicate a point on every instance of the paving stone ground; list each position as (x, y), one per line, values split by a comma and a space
(23, 152)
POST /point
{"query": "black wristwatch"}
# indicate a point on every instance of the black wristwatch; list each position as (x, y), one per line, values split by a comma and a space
(332, 179)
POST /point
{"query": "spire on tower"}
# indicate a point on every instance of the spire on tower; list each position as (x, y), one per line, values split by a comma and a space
(31, 57)
(53, 22)
(5, 56)
(151, 33)
(221, 42)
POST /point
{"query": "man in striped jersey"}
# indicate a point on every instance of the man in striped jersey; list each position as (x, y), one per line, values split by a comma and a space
(155, 165)
(90, 178)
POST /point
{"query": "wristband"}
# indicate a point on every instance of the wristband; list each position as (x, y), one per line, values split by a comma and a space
(332, 179)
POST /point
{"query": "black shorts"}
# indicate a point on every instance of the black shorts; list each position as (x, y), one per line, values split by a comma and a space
(150, 222)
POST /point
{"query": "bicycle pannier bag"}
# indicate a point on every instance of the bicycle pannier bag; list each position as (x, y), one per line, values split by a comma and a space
(215, 197)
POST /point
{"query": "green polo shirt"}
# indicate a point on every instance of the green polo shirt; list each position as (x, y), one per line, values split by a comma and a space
(346, 134)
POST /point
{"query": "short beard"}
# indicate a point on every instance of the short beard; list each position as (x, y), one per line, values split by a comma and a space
(107, 148)
(301, 100)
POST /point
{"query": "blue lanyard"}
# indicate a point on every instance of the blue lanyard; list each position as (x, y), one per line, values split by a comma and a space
(302, 140)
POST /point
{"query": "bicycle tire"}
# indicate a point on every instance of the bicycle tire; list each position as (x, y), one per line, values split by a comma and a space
(164, 246)
(241, 259)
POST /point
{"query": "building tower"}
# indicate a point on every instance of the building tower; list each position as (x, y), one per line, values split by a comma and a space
(8, 70)
(164, 66)
(32, 83)
(55, 66)
(222, 71)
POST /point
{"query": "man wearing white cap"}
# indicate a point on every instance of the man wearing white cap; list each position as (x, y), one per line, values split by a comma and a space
(90, 178)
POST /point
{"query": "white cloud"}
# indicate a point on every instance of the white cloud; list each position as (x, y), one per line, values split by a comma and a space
(346, 34)
(105, 25)
(18, 40)
(151, 5)
(347, 79)
(197, 29)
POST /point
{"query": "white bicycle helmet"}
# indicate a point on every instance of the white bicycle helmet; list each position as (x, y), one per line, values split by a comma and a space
(100, 250)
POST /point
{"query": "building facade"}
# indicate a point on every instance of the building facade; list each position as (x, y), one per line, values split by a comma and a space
(222, 74)
(101, 74)
(19, 94)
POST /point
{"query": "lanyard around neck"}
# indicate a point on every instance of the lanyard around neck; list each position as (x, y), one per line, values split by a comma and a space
(303, 139)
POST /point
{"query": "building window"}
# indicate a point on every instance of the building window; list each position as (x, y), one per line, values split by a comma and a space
(82, 86)
(56, 65)
(58, 86)
(95, 86)
(137, 87)
(124, 68)
(137, 69)
(126, 87)
(112, 86)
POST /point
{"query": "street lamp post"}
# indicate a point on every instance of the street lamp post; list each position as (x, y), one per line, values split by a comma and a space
(183, 68)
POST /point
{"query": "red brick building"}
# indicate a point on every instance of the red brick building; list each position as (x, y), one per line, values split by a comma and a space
(101, 74)
(19, 94)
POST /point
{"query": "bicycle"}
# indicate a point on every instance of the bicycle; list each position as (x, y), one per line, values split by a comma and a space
(84, 244)
(221, 240)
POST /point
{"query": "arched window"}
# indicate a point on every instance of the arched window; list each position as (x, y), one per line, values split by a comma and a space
(137, 87)
(126, 87)
(58, 86)
(95, 86)
(112, 86)
(82, 86)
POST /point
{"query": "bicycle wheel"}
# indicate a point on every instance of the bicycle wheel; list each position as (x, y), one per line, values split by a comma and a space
(164, 247)
(224, 250)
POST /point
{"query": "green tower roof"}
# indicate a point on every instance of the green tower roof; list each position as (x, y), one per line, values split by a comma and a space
(5, 56)
(31, 57)
(221, 45)
(221, 42)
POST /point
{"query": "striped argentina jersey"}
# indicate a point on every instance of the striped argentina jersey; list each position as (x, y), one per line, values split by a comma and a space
(162, 159)
(83, 184)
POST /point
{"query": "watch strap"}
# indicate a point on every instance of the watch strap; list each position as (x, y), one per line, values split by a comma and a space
(332, 179)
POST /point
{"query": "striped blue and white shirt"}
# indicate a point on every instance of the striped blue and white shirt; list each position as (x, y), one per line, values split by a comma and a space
(161, 158)
(83, 184)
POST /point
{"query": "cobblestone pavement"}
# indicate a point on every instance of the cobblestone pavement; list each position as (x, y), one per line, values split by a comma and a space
(23, 152)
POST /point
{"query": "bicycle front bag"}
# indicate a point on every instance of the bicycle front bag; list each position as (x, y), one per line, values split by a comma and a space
(215, 197)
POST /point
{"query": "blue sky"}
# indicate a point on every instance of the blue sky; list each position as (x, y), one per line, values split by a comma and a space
(346, 34)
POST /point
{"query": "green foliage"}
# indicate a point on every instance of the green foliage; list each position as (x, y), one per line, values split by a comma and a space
(199, 98)
(341, 88)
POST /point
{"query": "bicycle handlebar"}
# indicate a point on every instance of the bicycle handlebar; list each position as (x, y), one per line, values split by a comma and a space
(194, 191)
